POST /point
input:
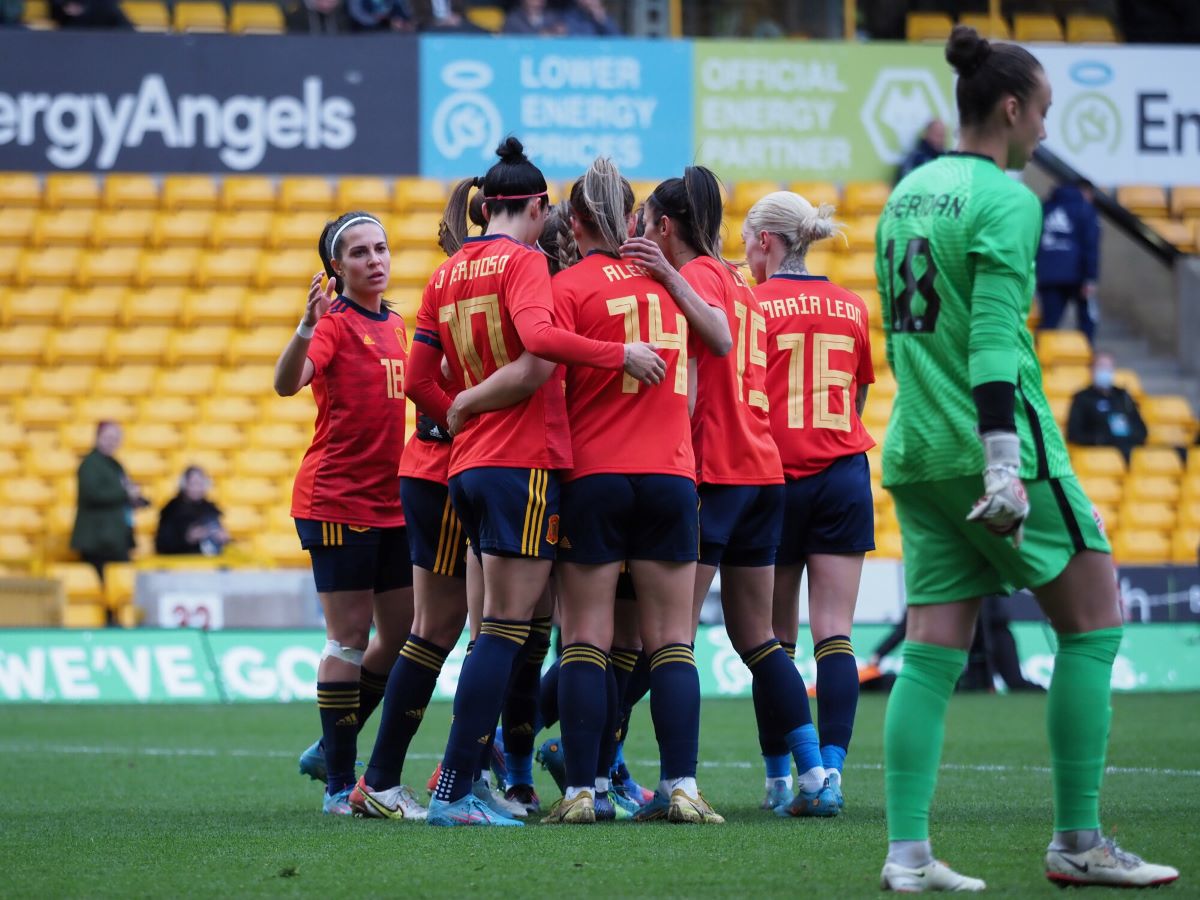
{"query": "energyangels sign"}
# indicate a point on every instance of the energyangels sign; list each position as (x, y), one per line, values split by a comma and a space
(148, 666)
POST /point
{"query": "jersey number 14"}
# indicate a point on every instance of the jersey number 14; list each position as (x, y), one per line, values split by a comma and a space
(914, 308)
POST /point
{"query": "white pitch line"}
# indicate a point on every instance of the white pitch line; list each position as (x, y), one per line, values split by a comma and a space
(208, 752)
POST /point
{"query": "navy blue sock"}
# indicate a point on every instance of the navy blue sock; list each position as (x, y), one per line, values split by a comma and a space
(548, 702)
(371, 688)
(612, 724)
(837, 697)
(582, 702)
(337, 702)
(409, 689)
(789, 647)
(784, 699)
(477, 703)
(637, 688)
(770, 738)
(675, 709)
(520, 715)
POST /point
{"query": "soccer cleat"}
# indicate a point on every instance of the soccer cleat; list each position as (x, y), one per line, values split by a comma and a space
(550, 756)
(685, 810)
(778, 794)
(1105, 864)
(499, 764)
(835, 785)
(338, 804)
(654, 811)
(394, 803)
(580, 810)
(622, 782)
(606, 810)
(936, 876)
(524, 795)
(312, 762)
(626, 806)
(807, 804)
(468, 810)
(431, 784)
(496, 801)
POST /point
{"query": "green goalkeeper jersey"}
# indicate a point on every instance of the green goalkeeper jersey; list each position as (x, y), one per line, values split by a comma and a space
(954, 257)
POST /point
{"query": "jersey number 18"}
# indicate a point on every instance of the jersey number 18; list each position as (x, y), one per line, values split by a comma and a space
(914, 309)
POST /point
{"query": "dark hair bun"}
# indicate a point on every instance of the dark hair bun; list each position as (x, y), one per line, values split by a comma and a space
(511, 150)
(966, 50)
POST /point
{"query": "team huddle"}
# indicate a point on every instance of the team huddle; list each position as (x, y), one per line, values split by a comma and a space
(608, 414)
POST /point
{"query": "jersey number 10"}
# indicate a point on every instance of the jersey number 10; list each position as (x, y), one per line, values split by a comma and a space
(915, 308)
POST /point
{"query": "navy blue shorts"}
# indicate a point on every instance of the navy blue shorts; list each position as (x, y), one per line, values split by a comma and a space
(740, 524)
(829, 512)
(356, 558)
(611, 517)
(508, 512)
(436, 540)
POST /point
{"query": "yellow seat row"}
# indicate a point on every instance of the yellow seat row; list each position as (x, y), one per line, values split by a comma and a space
(1026, 28)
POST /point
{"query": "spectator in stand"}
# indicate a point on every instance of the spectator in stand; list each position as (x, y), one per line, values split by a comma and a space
(443, 16)
(930, 145)
(379, 15)
(11, 12)
(317, 17)
(589, 18)
(532, 17)
(1104, 415)
(190, 523)
(103, 531)
(88, 14)
(1068, 259)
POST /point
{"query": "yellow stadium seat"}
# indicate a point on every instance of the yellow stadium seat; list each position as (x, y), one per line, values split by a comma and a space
(934, 27)
(109, 267)
(1082, 29)
(199, 16)
(129, 191)
(147, 15)
(160, 436)
(1102, 461)
(26, 491)
(1131, 546)
(879, 357)
(374, 195)
(139, 344)
(746, 193)
(299, 409)
(168, 266)
(1065, 380)
(292, 266)
(252, 491)
(17, 550)
(59, 227)
(215, 463)
(189, 191)
(207, 344)
(1167, 409)
(230, 410)
(90, 409)
(1189, 513)
(1147, 516)
(172, 410)
(20, 189)
(242, 522)
(1157, 461)
(235, 266)
(16, 226)
(1056, 348)
(859, 236)
(1185, 201)
(80, 581)
(817, 192)
(300, 230)
(281, 548)
(123, 227)
(28, 521)
(251, 228)
(1180, 235)
(1185, 546)
(188, 379)
(189, 227)
(865, 198)
(854, 271)
(991, 27)
(118, 584)
(40, 412)
(260, 463)
(224, 437)
(131, 381)
(413, 267)
(159, 305)
(52, 266)
(21, 343)
(69, 381)
(258, 346)
(12, 435)
(253, 381)
(1029, 27)
(256, 18)
(283, 436)
(241, 193)
(406, 301)
(1144, 200)
(305, 192)
(1152, 488)
(43, 307)
(1169, 434)
(71, 189)
(214, 306)
(84, 615)
(888, 545)
(148, 465)
(1129, 380)
(84, 344)
(52, 463)
(489, 18)
(421, 195)
(11, 260)
(1102, 489)
(10, 463)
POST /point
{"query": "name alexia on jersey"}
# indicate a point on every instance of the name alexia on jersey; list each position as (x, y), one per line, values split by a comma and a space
(806, 305)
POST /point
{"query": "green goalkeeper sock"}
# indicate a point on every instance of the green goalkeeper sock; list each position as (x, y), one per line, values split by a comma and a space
(912, 735)
(1077, 720)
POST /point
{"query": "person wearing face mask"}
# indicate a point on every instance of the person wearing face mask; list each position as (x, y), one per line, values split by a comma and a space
(190, 523)
(1104, 415)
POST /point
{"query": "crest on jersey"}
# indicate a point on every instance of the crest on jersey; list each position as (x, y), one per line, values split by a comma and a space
(552, 530)
(367, 340)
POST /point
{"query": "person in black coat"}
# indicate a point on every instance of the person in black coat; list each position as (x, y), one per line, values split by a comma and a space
(190, 522)
(1104, 415)
(930, 145)
(1068, 259)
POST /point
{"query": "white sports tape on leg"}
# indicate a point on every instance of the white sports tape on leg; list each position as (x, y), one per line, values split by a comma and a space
(337, 651)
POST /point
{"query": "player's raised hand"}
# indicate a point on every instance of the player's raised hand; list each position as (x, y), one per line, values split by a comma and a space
(648, 254)
(319, 299)
(643, 363)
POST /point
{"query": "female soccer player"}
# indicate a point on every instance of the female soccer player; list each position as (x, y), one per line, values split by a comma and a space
(346, 499)
(818, 369)
(484, 307)
(628, 498)
(739, 471)
(954, 256)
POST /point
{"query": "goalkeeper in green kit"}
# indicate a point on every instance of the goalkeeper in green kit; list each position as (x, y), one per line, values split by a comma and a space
(982, 483)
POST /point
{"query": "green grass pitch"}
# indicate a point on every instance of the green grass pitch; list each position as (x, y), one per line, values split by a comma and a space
(205, 802)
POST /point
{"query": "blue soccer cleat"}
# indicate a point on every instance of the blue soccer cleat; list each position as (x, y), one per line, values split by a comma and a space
(654, 811)
(312, 762)
(605, 810)
(807, 804)
(624, 785)
(469, 810)
(779, 793)
(626, 806)
(835, 785)
(499, 764)
(551, 757)
(338, 804)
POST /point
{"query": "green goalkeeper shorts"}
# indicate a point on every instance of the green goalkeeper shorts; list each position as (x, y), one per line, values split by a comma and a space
(947, 558)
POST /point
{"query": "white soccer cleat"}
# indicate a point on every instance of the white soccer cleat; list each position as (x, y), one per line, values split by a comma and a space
(936, 876)
(497, 802)
(1105, 864)
(394, 803)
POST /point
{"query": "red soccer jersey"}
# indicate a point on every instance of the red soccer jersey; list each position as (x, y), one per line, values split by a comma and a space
(468, 308)
(617, 424)
(818, 353)
(348, 474)
(731, 431)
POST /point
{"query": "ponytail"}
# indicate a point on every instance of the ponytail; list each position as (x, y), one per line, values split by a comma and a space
(602, 201)
(693, 202)
(452, 230)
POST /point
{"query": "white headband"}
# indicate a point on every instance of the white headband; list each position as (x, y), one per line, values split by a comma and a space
(337, 234)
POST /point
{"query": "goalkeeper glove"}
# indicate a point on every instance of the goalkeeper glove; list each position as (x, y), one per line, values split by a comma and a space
(1004, 505)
